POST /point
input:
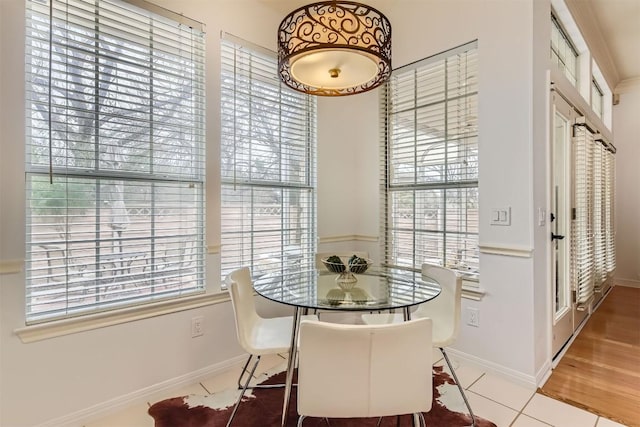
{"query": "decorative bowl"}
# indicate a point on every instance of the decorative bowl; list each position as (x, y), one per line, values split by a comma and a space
(354, 264)
(346, 278)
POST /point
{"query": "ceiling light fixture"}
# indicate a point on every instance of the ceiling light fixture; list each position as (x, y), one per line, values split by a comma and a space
(334, 48)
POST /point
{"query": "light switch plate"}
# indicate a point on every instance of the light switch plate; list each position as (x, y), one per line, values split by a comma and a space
(501, 216)
(542, 217)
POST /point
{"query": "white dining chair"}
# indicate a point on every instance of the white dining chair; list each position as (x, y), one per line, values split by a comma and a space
(444, 311)
(357, 371)
(258, 336)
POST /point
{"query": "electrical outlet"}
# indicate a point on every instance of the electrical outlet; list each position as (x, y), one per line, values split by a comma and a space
(197, 326)
(473, 317)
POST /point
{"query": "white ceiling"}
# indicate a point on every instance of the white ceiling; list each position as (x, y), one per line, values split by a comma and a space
(617, 24)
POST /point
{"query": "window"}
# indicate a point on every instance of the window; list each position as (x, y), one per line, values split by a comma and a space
(430, 175)
(563, 52)
(597, 98)
(115, 157)
(267, 165)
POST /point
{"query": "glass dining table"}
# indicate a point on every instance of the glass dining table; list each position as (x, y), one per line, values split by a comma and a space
(376, 289)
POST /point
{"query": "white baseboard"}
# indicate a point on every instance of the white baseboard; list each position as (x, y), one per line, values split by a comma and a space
(101, 410)
(494, 368)
(544, 373)
(628, 283)
(84, 416)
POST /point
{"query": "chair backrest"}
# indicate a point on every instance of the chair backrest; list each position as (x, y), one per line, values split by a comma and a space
(344, 256)
(445, 309)
(348, 371)
(244, 309)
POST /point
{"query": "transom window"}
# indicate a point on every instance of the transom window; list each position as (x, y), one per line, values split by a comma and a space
(268, 165)
(115, 157)
(563, 52)
(430, 175)
(597, 98)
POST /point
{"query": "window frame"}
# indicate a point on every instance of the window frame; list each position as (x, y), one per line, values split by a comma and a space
(387, 186)
(597, 98)
(72, 20)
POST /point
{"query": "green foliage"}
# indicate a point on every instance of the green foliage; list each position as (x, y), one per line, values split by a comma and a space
(61, 195)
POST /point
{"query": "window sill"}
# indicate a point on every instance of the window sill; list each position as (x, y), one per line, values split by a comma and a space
(59, 328)
(44, 331)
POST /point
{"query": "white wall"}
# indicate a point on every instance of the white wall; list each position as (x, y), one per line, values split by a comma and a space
(504, 29)
(56, 377)
(71, 373)
(627, 141)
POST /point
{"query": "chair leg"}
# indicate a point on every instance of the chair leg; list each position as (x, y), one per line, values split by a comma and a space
(244, 389)
(423, 423)
(419, 419)
(455, 378)
(244, 370)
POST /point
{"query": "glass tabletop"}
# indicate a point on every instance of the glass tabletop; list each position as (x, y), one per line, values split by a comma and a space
(376, 289)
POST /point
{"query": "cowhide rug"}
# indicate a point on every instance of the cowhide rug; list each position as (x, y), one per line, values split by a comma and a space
(263, 408)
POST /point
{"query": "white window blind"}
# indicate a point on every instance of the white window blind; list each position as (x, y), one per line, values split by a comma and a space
(115, 157)
(429, 176)
(582, 237)
(592, 227)
(609, 203)
(605, 249)
(268, 165)
(599, 236)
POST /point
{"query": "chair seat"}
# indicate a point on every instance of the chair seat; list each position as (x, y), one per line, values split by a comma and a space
(441, 336)
(273, 335)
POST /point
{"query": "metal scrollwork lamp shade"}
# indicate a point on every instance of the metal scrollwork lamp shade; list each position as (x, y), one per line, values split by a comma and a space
(334, 48)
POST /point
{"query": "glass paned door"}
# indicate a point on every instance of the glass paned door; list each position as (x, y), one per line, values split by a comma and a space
(562, 119)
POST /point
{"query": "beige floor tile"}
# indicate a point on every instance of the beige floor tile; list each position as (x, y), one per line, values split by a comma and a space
(135, 416)
(270, 362)
(503, 391)
(501, 415)
(603, 422)
(557, 413)
(526, 421)
(441, 362)
(467, 374)
(195, 388)
(222, 381)
(437, 356)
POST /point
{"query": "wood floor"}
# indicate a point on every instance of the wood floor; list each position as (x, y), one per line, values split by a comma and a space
(601, 370)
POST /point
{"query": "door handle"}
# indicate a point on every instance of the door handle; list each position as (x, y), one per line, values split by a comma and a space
(556, 236)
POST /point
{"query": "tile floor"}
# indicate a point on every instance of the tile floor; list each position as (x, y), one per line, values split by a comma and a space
(492, 397)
